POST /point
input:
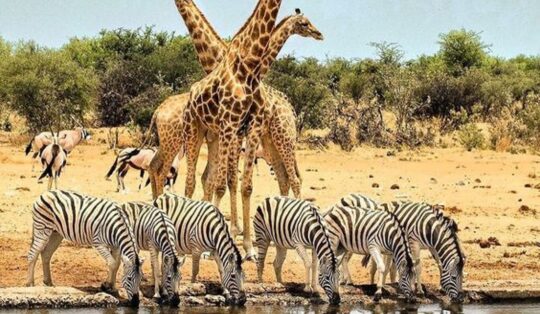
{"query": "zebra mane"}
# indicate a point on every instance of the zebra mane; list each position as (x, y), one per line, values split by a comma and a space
(125, 220)
(229, 238)
(314, 209)
(408, 256)
(167, 229)
(451, 225)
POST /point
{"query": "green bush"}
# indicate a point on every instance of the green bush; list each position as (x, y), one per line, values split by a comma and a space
(471, 137)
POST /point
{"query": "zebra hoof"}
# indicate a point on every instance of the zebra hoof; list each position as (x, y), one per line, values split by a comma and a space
(107, 287)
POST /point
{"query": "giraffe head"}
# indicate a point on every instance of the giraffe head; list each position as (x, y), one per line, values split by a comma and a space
(302, 26)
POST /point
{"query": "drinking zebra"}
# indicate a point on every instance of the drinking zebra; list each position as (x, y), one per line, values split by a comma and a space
(155, 232)
(426, 228)
(296, 224)
(374, 233)
(85, 220)
(200, 228)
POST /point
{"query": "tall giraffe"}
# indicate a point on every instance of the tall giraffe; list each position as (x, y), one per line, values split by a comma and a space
(228, 102)
(278, 140)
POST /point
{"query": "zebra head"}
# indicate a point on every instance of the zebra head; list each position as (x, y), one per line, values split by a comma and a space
(233, 279)
(329, 278)
(407, 278)
(452, 279)
(132, 278)
(171, 277)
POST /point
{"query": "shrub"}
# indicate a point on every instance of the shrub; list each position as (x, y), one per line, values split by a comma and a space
(471, 137)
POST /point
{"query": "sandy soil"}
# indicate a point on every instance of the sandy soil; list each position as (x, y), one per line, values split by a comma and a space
(484, 189)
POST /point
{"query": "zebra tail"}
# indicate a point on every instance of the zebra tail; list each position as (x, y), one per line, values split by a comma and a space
(29, 147)
(48, 171)
(365, 260)
(113, 167)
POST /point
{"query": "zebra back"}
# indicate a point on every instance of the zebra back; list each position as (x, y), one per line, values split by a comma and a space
(199, 224)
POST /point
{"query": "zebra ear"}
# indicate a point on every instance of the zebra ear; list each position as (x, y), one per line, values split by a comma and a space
(181, 260)
(126, 261)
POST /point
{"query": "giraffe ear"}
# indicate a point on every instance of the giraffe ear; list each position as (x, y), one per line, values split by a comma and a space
(297, 11)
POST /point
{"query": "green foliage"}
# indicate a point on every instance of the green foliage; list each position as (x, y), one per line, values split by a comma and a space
(530, 117)
(47, 87)
(461, 50)
(471, 137)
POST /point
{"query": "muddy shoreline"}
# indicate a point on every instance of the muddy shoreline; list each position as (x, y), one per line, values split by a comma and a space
(209, 294)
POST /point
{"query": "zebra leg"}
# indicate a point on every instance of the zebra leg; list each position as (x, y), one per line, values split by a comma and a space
(345, 266)
(415, 250)
(387, 266)
(49, 185)
(155, 270)
(116, 264)
(55, 180)
(314, 271)
(301, 250)
(378, 258)
(195, 260)
(105, 252)
(39, 242)
(262, 249)
(46, 254)
(372, 271)
(281, 253)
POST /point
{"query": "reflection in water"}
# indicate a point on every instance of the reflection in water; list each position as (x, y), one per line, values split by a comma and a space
(519, 308)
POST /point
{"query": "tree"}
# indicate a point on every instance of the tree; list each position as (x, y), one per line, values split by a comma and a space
(46, 87)
(461, 50)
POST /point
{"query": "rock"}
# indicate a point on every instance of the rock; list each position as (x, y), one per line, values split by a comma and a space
(375, 185)
(433, 180)
(394, 187)
(526, 210)
(528, 185)
(460, 183)
(215, 299)
(192, 289)
(484, 244)
(310, 199)
(478, 180)
(537, 186)
(390, 153)
(370, 176)
(494, 241)
(194, 301)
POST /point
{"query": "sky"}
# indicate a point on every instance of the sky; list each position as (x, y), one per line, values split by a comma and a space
(511, 27)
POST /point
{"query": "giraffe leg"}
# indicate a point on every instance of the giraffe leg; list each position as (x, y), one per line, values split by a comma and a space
(220, 181)
(277, 165)
(232, 181)
(211, 165)
(247, 189)
(194, 139)
(287, 153)
(54, 241)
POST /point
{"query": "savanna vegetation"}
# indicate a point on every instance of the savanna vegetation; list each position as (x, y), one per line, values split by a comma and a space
(118, 77)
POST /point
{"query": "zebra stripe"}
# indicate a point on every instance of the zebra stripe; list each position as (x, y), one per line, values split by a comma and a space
(296, 224)
(155, 232)
(201, 228)
(428, 228)
(85, 220)
(372, 232)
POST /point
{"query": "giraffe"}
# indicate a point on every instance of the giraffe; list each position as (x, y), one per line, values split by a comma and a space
(228, 102)
(278, 140)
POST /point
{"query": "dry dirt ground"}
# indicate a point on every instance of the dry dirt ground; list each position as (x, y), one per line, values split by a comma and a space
(483, 191)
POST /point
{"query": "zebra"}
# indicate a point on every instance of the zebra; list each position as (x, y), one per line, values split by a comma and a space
(200, 228)
(427, 228)
(155, 232)
(372, 233)
(85, 220)
(296, 224)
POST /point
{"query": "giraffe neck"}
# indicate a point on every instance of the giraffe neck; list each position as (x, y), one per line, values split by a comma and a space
(208, 44)
(280, 35)
(248, 46)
